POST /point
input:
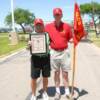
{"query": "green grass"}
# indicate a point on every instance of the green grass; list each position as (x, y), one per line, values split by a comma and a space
(94, 39)
(3, 34)
(5, 48)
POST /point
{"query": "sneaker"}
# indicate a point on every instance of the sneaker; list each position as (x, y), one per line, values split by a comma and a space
(45, 96)
(57, 96)
(33, 97)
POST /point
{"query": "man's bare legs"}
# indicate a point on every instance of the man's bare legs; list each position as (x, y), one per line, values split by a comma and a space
(33, 86)
(66, 83)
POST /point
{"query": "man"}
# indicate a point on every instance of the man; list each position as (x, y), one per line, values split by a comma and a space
(40, 63)
(60, 34)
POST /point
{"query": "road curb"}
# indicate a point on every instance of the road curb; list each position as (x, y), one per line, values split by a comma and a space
(3, 58)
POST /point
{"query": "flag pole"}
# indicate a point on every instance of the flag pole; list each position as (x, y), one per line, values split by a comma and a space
(73, 71)
(73, 68)
(78, 34)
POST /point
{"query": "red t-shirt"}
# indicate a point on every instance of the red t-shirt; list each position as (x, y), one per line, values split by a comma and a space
(59, 36)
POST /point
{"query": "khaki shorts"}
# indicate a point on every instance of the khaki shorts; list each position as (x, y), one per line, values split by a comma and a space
(60, 60)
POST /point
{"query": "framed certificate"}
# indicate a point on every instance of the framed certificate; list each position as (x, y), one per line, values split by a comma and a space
(39, 45)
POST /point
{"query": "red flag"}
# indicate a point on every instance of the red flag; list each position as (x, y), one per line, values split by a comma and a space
(78, 25)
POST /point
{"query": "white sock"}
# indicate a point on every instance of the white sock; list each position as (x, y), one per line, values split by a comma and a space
(45, 93)
(33, 96)
(58, 90)
(67, 92)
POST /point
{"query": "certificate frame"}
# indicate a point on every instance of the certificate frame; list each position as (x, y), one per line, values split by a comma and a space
(39, 45)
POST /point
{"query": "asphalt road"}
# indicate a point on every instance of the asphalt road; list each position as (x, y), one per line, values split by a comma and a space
(15, 76)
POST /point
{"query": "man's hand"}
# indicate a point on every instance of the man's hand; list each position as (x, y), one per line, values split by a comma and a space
(71, 41)
(29, 45)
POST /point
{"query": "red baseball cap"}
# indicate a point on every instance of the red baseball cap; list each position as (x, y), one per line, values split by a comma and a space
(57, 11)
(38, 21)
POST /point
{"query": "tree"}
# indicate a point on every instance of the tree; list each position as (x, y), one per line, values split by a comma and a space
(22, 17)
(93, 10)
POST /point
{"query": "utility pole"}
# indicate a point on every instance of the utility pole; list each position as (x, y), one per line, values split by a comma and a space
(13, 35)
(12, 13)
